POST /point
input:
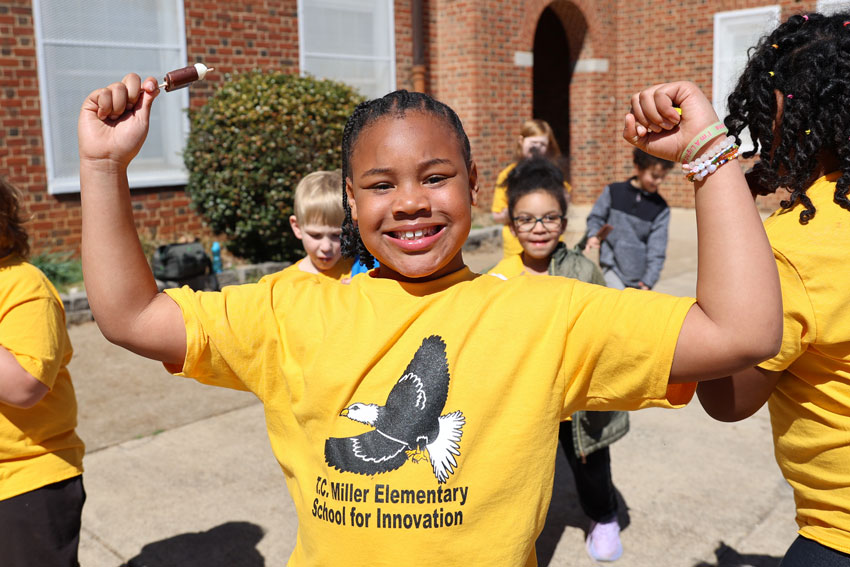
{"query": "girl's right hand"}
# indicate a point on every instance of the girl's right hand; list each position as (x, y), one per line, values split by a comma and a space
(114, 121)
(654, 125)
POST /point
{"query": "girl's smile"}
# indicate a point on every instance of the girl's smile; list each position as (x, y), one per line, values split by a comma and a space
(415, 238)
(411, 193)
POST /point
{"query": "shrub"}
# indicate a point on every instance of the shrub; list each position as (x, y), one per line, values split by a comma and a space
(61, 268)
(251, 143)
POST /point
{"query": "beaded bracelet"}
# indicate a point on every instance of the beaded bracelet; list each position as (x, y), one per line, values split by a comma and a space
(701, 139)
(704, 166)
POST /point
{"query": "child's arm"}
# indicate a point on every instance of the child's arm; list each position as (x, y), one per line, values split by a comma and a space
(737, 320)
(499, 208)
(738, 396)
(18, 387)
(656, 248)
(597, 218)
(121, 289)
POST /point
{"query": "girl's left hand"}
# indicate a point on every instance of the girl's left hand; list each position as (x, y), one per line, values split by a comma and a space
(654, 125)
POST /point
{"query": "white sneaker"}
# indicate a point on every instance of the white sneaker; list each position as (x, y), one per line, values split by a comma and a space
(603, 541)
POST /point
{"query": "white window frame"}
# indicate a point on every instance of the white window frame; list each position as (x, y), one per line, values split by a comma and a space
(761, 15)
(829, 7)
(391, 59)
(137, 180)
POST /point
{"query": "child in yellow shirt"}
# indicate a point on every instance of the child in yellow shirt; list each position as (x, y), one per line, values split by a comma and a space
(537, 209)
(409, 427)
(317, 224)
(41, 457)
(793, 98)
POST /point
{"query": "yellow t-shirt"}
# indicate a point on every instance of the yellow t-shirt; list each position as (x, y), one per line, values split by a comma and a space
(510, 243)
(810, 407)
(341, 270)
(38, 446)
(458, 468)
(509, 267)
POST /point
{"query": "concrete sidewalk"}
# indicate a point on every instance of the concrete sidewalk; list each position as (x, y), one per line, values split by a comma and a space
(178, 473)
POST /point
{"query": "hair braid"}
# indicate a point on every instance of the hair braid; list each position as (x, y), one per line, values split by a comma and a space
(394, 104)
(805, 59)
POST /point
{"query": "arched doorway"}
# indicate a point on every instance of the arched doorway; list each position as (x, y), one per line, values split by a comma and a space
(555, 54)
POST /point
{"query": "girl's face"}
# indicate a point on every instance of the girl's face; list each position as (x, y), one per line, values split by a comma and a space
(532, 145)
(411, 195)
(541, 209)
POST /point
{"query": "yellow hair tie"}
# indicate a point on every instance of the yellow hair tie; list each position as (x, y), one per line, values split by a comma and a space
(771, 73)
(774, 46)
(808, 132)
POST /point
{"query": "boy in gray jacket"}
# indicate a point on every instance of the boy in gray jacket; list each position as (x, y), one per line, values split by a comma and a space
(633, 254)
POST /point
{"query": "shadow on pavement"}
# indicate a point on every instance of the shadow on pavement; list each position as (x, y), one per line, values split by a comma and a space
(229, 545)
(728, 557)
(565, 511)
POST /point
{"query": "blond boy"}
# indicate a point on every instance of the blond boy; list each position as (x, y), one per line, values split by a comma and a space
(317, 224)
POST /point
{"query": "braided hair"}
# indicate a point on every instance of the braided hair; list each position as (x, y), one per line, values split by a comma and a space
(394, 104)
(807, 60)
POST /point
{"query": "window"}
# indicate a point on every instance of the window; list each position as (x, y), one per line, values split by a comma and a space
(352, 41)
(86, 44)
(734, 33)
(829, 7)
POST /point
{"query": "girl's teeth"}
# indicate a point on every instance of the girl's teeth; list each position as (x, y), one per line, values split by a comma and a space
(410, 235)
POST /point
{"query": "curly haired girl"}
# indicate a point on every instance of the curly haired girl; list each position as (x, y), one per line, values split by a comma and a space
(794, 96)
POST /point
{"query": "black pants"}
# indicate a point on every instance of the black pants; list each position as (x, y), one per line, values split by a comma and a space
(42, 527)
(595, 488)
(808, 553)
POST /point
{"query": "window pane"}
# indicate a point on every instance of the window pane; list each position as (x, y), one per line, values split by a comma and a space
(84, 45)
(370, 78)
(734, 34)
(350, 41)
(357, 29)
(139, 21)
(830, 7)
(73, 72)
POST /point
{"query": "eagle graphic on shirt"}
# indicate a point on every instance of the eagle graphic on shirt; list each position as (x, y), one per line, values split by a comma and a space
(409, 426)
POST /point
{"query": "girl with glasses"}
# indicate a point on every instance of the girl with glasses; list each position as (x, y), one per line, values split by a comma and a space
(537, 210)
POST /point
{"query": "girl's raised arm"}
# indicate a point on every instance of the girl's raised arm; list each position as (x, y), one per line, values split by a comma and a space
(121, 289)
(737, 320)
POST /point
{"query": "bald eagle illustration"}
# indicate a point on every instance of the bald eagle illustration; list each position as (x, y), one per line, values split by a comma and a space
(408, 426)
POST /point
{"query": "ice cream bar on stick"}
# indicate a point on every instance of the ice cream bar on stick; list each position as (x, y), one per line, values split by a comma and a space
(180, 78)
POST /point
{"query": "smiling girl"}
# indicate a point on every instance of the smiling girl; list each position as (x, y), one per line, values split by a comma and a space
(407, 427)
(538, 212)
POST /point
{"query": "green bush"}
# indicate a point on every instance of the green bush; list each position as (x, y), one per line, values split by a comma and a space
(251, 143)
(61, 268)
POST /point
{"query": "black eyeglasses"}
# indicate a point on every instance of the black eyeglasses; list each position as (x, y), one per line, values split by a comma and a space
(526, 223)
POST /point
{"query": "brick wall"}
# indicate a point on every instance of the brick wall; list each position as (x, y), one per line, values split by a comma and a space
(472, 68)
(619, 46)
(234, 35)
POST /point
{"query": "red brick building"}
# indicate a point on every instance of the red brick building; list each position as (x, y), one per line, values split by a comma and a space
(496, 62)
